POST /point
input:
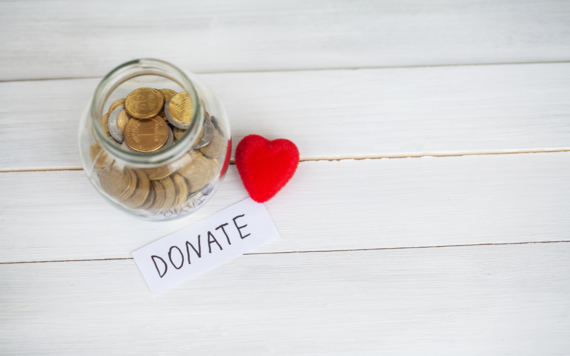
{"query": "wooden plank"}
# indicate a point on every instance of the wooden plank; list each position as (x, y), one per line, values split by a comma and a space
(68, 39)
(329, 114)
(338, 205)
(483, 300)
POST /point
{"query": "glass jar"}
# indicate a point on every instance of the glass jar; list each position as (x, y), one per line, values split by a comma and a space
(160, 166)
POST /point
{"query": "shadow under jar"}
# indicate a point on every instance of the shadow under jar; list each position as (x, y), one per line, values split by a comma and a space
(154, 140)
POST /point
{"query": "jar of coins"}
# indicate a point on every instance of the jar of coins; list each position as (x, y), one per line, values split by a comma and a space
(154, 140)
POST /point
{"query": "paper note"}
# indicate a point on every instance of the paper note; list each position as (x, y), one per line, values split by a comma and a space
(205, 245)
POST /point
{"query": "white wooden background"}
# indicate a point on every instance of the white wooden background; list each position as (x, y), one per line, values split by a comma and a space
(430, 214)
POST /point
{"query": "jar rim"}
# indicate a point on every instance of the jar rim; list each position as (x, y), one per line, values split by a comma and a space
(127, 71)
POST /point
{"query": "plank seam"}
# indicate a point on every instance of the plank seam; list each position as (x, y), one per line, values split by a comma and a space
(41, 169)
(434, 154)
(317, 251)
(343, 158)
(320, 69)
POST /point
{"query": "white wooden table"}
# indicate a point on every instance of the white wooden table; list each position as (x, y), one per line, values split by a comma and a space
(430, 214)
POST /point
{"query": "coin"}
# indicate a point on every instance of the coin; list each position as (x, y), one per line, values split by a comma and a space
(144, 103)
(181, 189)
(147, 135)
(170, 139)
(170, 193)
(159, 196)
(141, 191)
(149, 199)
(215, 166)
(99, 157)
(132, 185)
(178, 133)
(197, 170)
(126, 147)
(122, 120)
(105, 124)
(168, 93)
(180, 110)
(215, 163)
(116, 133)
(111, 139)
(149, 120)
(163, 97)
(162, 115)
(216, 148)
(114, 181)
(116, 104)
(207, 134)
(217, 125)
(170, 119)
(160, 172)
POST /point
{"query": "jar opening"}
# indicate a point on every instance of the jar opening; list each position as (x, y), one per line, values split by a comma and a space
(145, 73)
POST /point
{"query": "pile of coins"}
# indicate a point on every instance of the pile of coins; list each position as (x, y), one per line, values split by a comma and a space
(149, 120)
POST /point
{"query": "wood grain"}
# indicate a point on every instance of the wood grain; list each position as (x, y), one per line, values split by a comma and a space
(338, 205)
(329, 114)
(362, 267)
(69, 39)
(484, 300)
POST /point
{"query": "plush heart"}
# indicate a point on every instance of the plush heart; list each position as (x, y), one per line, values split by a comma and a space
(265, 166)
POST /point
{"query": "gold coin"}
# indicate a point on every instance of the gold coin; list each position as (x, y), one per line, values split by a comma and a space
(162, 115)
(147, 135)
(216, 148)
(116, 104)
(169, 192)
(215, 164)
(114, 181)
(180, 132)
(159, 196)
(198, 171)
(181, 189)
(149, 199)
(168, 93)
(181, 108)
(99, 157)
(141, 192)
(161, 172)
(144, 103)
(163, 97)
(105, 124)
(122, 120)
(132, 185)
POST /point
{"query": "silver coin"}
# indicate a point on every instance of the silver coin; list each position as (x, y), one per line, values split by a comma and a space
(113, 140)
(207, 189)
(217, 125)
(207, 136)
(170, 119)
(113, 128)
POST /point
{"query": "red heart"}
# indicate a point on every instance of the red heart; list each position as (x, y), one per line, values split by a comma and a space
(265, 166)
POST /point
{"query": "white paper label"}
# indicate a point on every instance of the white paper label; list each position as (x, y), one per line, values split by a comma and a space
(205, 245)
